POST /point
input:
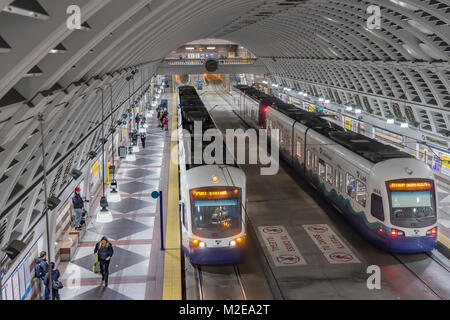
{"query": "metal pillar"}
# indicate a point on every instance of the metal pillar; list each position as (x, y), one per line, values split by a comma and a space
(50, 272)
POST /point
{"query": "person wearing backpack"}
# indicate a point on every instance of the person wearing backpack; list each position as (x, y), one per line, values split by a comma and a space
(104, 251)
(56, 285)
(41, 269)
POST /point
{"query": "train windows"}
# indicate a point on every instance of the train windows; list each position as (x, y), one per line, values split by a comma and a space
(329, 173)
(377, 207)
(299, 149)
(361, 193)
(316, 163)
(308, 159)
(322, 169)
(337, 179)
(351, 188)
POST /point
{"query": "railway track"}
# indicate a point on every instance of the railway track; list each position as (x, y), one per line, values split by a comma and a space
(225, 284)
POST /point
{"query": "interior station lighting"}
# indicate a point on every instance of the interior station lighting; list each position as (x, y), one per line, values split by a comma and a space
(390, 121)
(190, 48)
(358, 111)
(404, 125)
(348, 108)
(305, 94)
(327, 100)
(210, 48)
(30, 8)
(321, 99)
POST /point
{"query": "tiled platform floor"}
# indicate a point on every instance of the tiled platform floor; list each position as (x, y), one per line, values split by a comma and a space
(134, 232)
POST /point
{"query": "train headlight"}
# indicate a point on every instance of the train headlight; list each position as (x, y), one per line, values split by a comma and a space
(432, 232)
(202, 244)
(195, 242)
(397, 233)
(237, 241)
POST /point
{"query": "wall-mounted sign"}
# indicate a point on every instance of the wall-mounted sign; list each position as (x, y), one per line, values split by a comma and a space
(95, 168)
(348, 124)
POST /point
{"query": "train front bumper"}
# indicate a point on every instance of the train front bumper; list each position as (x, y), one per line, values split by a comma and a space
(411, 244)
(217, 255)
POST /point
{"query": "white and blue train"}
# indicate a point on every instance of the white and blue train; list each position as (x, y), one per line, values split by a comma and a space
(212, 196)
(386, 194)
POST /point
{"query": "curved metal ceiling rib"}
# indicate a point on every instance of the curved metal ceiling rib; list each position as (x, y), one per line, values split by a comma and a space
(321, 46)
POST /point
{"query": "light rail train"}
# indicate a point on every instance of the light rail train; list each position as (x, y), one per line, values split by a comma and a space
(213, 196)
(386, 194)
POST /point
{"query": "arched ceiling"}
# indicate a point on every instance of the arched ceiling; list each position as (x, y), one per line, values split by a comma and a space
(316, 45)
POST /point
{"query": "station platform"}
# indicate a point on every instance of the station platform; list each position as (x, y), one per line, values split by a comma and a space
(137, 269)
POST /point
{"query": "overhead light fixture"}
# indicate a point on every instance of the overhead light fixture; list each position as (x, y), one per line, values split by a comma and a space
(404, 125)
(327, 100)
(27, 8)
(305, 94)
(58, 49)
(210, 48)
(275, 85)
(34, 72)
(190, 48)
(265, 82)
(358, 111)
(390, 121)
(4, 46)
(321, 99)
(348, 108)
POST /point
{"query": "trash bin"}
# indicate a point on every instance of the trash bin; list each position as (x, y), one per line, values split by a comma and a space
(122, 152)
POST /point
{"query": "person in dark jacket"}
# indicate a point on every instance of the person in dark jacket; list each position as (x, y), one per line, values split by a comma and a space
(138, 120)
(78, 205)
(41, 266)
(143, 138)
(55, 277)
(104, 250)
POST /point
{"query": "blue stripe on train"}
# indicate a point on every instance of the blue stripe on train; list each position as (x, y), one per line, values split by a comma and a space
(222, 255)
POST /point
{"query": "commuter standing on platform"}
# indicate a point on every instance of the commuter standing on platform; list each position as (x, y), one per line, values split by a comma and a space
(143, 138)
(104, 250)
(165, 121)
(41, 269)
(56, 285)
(78, 206)
(138, 120)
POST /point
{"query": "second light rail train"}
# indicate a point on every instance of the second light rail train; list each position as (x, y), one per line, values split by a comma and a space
(386, 194)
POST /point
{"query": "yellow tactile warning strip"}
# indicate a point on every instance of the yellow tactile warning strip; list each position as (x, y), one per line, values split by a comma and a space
(444, 240)
(172, 289)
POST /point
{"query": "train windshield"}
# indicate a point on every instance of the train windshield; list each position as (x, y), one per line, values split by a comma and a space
(412, 203)
(216, 218)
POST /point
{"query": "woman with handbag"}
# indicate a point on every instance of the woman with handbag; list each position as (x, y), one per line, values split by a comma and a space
(104, 251)
(56, 285)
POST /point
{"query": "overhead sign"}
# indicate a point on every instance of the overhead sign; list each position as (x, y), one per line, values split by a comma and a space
(283, 250)
(332, 247)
